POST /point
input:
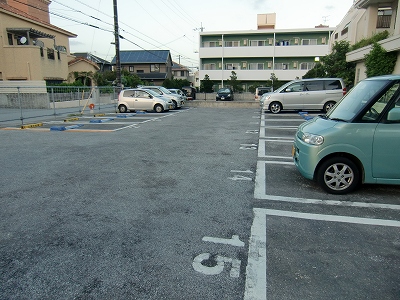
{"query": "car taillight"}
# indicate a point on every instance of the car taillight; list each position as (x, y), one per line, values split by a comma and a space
(344, 91)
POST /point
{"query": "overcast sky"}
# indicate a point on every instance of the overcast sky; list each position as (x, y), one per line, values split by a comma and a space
(175, 24)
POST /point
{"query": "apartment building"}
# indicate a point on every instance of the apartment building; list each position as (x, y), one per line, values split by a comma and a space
(31, 48)
(257, 55)
(365, 19)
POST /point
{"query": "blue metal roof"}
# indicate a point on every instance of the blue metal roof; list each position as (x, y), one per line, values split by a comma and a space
(142, 56)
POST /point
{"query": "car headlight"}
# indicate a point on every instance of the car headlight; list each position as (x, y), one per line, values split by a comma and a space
(312, 139)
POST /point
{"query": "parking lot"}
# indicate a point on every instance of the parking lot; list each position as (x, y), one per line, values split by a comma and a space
(105, 121)
(317, 245)
(198, 203)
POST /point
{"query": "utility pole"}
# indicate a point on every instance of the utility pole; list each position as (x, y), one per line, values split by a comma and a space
(116, 36)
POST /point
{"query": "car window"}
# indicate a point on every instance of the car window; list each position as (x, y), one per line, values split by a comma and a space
(129, 93)
(315, 85)
(142, 94)
(333, 85)
(295, 87)
(376, 110)
(356, 99)
(156, 91)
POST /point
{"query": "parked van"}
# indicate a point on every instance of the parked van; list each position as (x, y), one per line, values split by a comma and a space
(305, 94)
(357, 141)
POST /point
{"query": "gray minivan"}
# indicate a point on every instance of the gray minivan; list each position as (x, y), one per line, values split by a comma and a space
(305, 94)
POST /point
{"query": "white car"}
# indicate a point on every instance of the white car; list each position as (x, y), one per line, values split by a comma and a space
(179, 93)
(162, 91)
(142, 99)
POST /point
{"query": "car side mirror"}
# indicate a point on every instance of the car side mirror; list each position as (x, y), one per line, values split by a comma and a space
(288, 90)
(394, 115)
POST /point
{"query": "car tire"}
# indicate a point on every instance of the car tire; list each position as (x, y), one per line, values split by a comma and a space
(338, 175)
(122, 108)
(158, 108)
(328, 105)
(275, 107)
(174, 105)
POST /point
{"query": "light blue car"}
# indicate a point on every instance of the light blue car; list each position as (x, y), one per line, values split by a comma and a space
(357, 141)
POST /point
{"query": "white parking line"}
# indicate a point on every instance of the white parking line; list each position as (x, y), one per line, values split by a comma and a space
(260, 193)
(256, 277)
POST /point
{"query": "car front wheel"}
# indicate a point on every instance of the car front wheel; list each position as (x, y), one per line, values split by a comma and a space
(275, 107)
(158, 108)
(338, 175)
(122, 108)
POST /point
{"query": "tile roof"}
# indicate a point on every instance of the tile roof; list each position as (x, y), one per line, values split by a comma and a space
(82, 59)
(143, 56)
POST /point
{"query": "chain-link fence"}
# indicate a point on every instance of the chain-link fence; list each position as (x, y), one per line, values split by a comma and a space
(18, 103)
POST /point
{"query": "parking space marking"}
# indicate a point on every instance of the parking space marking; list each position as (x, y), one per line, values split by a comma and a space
(260, 193)
(256, 275)
(332, 218)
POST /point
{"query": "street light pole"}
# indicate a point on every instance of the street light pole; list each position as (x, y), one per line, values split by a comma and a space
(116, 37)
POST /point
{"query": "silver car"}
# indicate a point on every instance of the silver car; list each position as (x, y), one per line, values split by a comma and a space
(162, 91)
(305, 94)
(142, 99)
(179, 93)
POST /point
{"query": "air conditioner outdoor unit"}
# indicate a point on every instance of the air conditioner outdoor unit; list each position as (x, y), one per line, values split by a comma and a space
(295, 64)
(324, 40)
(269, 64)
(219, 65)
(296, 40)
(270, 41)
(220, 42)
(244, 64)
(245, 42)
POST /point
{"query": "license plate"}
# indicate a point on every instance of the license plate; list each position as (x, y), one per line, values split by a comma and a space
(222, 98)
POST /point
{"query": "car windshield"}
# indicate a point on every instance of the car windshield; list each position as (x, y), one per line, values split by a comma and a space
(283, 87)
(356, 99)
(165, 90)
(224, 91)
(153, 93)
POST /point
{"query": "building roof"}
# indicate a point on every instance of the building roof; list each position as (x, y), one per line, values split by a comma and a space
(91, 57)
(5, 8)
(176, 66)
(143, 56)
(82, 59)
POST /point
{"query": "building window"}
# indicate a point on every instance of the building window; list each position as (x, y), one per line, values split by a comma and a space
(345, 29)
(41, 52)
(58, 55)
(139, 71)
(210, 44)
(281, 66)
(131, 70)
(232, 44)
(209, 67)
(256, 66)
(256, 43)
(232, 66)
(307, 42)
(384, 17)
(336, 35)
(50, 53)
(10, 39)
(155, 68)
(182, 73)
(306, 66)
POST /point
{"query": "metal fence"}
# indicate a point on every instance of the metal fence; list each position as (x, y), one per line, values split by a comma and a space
(19, 103)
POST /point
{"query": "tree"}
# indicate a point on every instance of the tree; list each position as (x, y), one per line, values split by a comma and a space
(335, 65)
(206, 85)
(234, 83)
(379, 62)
